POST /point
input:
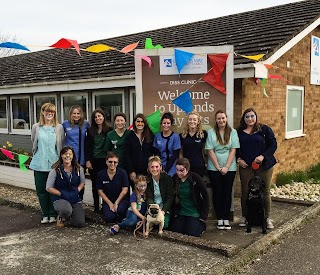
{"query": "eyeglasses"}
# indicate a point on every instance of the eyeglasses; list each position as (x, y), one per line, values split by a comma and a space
(112, 161)
(249, 116)
(139, 121)
(182, 170)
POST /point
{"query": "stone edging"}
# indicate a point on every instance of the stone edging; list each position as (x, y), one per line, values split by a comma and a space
(260, 246)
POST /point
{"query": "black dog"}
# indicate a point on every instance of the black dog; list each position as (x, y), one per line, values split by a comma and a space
(255, 205)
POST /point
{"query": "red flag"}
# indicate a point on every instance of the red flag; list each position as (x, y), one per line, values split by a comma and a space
(7, 153)
(64, 43)
(214, 75)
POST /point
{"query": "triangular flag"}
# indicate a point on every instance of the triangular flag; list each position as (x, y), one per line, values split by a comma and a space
(184, 102)
(146, 58)
(182, 58)
(7, 153)
(253, 57)
(13, 45)
(129, 48)
(148, 44)
(154, 121)
(264, 84)
(274, 76)
(64, 43)
(214, 75)
(99, 48)
(22, 160)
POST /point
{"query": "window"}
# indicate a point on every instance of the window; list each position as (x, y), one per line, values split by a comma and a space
(3, 115)
(20, 114)
(39, 101)
(69, 100)
(294, 116)
(132, 105)
(111, 103)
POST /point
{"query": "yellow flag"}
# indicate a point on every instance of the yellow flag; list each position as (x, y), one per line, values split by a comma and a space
(253, 57)
(99, 48)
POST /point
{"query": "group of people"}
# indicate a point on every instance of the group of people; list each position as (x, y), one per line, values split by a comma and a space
(166, 168)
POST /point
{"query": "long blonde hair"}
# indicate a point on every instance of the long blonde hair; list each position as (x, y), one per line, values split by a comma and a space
(48, 107)
(199, 133)
(81, 120)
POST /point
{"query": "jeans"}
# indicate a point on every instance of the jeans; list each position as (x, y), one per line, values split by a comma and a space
(248, 173)
(130, 221)
(188, 225)
(222, 192)
(65, 210)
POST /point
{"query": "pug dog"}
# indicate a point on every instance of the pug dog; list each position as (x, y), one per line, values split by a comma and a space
(154, 216)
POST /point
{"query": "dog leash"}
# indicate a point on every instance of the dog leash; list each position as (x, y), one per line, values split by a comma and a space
(138, 226)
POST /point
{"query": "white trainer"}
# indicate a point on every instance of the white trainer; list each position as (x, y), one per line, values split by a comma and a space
(270, 223)
(243, 222)
(44, 220)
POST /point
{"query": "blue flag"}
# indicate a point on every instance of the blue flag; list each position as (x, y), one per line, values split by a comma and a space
(182, 58)
(184, 102)
(13, 45)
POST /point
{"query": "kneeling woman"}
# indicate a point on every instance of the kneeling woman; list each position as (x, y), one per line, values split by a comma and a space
(65, 181)
(191, 205)
(113, 185)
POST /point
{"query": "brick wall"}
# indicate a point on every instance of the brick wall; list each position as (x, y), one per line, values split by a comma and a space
(297, 153)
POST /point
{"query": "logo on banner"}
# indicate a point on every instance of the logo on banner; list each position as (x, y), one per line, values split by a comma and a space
(315, 46)
(167, 62)
(196, 65)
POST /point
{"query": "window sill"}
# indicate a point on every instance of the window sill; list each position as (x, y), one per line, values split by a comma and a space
(295, 136)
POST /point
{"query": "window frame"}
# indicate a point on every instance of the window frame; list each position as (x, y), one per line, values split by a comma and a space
(20, 131)
(35, 106)
(84, 94)
(300, 132)
(108, 92)
(5, 130)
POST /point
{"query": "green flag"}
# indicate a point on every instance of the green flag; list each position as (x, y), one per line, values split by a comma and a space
(22, 160)
(154, 121)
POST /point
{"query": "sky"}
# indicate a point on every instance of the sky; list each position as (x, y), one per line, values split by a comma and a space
(39, 23)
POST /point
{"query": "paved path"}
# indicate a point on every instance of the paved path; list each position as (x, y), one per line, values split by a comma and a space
(45, 249)
(297, 254)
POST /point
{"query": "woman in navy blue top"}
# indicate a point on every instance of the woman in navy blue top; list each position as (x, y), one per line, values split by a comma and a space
(192, 140)
(255, 158)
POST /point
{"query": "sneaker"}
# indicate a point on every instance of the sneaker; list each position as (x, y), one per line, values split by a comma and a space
(227, 224)
(60, 222)
(220, 225)
(113, 230)
(44, 220)
(243, 222)
(269, 223)
(52, 219)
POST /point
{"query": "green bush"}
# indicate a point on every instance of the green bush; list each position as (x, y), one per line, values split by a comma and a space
(311, 174)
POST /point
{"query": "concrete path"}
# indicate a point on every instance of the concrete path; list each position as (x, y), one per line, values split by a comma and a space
(298, 254)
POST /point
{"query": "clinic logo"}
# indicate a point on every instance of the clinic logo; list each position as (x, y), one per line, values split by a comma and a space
(315, 46)
(167, 62)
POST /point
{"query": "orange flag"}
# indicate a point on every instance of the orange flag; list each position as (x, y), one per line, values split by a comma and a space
(214, 75)
(129, 48)
(64, 43)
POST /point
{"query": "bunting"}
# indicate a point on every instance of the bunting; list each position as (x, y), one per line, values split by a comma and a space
(22, 160)
(154, 121)
(148, 44)
(12, 45)
(64, 43)
(182, 58)
(99, 48)
(184, 102)
(214, 76)
(7, 153)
